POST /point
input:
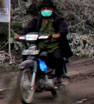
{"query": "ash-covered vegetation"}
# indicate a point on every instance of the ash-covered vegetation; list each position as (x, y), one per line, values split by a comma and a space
(77, 13)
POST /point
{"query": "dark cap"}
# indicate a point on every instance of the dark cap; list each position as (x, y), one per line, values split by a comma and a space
(47, 3)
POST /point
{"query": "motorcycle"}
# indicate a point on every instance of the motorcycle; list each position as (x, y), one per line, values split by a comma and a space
(29, 81)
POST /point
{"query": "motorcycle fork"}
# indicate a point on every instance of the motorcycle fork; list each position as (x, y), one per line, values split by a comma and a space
(34, 74)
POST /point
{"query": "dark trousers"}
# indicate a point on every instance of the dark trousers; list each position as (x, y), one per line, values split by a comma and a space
(55, 60)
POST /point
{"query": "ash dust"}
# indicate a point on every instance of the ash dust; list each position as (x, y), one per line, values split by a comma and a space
(12, 97)
(64, 97)
(11, 94)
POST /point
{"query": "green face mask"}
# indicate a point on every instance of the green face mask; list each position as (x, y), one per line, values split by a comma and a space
(46, 13)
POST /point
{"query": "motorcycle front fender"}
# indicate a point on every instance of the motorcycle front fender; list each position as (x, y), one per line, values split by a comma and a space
(26, 64)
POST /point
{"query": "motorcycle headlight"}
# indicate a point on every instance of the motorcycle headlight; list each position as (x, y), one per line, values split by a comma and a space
(31, 37)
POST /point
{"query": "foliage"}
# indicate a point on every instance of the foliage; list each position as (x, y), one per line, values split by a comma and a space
(78, 14)
(3, 32)
(17, 26)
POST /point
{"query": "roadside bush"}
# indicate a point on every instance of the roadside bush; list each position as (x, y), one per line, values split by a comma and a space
(17, 27)
(3, 32)
(78, 14)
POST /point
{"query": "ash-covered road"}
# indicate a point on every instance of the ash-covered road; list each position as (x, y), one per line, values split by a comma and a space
(79, 91)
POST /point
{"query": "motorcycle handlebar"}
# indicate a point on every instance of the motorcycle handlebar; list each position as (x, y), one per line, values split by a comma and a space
(32, 37)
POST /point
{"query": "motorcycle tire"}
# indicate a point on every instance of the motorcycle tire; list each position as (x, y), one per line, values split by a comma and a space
(26, 89)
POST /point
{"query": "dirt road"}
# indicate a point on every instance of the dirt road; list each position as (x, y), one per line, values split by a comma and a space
(79, 91)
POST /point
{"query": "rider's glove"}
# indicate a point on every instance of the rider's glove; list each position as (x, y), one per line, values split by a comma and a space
(16, 36)
(55, 36)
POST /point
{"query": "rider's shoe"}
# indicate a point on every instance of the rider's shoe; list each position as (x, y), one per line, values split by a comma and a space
(65, 76)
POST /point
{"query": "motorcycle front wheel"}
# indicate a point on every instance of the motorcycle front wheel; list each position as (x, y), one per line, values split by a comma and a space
(26, 85)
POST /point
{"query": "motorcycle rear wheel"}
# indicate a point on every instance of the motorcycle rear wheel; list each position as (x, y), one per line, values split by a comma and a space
(54, 92)
(26, 89)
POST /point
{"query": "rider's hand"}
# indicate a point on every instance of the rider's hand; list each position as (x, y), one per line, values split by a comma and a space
(55, 36)
(16, 36)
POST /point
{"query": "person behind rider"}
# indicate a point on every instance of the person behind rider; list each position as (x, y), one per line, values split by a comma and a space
(53, 24)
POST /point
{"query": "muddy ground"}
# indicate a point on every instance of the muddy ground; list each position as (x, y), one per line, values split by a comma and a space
(80, 89)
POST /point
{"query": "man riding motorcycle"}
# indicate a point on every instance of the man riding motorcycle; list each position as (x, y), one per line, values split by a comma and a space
(53, 24)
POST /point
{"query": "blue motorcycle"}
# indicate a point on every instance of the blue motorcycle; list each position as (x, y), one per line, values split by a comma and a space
(34, 74)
